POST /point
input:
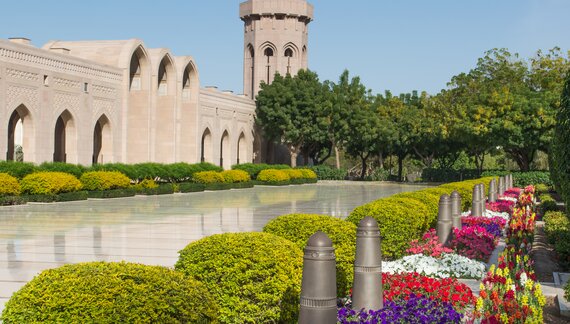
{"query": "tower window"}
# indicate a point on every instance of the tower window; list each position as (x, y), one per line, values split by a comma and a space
(288, 55)
(269, 53)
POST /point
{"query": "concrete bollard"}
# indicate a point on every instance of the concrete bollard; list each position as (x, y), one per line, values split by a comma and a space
(476, 204)
(367, 289)
(483, 198)
(318, 286)
(493, 191)
(456, 210)
(444, 219)
(501, 186)
(511, 182)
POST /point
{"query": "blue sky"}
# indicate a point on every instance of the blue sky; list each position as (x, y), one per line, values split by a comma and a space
(397, 45)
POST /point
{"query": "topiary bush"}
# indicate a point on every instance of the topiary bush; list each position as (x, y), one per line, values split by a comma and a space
(298, 228)
(431, 201)
(206, 177)
(17, 169)
(325, 172)
(234, 176)
(400, 220)
(104, 180)
(273, 176)
(555, 223)
(100, 292)
(255, 277)
(76, 170)
(294, 174)
(254, 168)
(49, 183)
(9, 185)
(308, 174)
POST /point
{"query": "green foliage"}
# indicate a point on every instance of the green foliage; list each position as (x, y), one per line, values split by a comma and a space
(294, 174)
(205, 177)
(555, 223)
(431, 201)
(218, 186)
(127, 169)
(541, 188)
(161, 189)
(76, 170)
(325, 172)
(273, 176)
(562, 248)
(560, 146)
(523, 179)
(17, 169)
(255, 277)
(232, 176)
(400, 220)
(100, 292)
(190, 187)
(46, 183)
(298, 228)
(113, 193)
(448, 175)
(378, 174)
(254, 168)
(104, 180)
(60, 197)
(9, 185)
(308, 174)
(12, 200)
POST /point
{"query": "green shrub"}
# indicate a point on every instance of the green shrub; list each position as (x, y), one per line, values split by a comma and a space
(555, 223)
(325, 172)
(255, 277)
(400, 220)
(465, 190)
(150, 170)
(12, 200)
(17, 169)
(45, 183)
(308, 174)
(190, 187)
(298, 228)
(64, 196)
(114, 193)
(100, 292)
(242, 185)
(205, 177)
(104, 180)
(378, 174)
(273, 176)
(9, 185)
(233, 176)
(218, 186)
(127, 169)
(541, 188)
(254, 168)
(562, 248)
(431, 202)
(205, 166)
(523, 179)
(294, 174)
(76, 170)
(161, 189)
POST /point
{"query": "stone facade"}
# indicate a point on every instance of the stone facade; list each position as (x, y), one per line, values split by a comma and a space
(116, 101)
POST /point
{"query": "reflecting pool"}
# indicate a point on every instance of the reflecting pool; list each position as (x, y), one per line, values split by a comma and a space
(153, 229)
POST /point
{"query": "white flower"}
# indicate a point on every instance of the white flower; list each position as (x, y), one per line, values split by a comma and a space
(449, 265)
(524, 278)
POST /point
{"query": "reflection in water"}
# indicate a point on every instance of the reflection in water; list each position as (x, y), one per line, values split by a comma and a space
(97, 235)
(59, 246)
(13, 262)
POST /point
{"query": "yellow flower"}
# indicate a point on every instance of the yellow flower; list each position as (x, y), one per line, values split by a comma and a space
(479, 305)
(524, 300)
(504, 318)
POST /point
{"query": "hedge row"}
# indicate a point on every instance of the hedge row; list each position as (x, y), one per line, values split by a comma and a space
(559, 156)
(253, 169)
(520, 179)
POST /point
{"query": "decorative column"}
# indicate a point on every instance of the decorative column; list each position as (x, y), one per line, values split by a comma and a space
(493, 191)
(318, 286)
(367, 289)
(476, 205)
(456, 210)
(444, 219)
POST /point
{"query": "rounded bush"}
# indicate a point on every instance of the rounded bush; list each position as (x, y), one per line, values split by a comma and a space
(294, 173)
(17, 169)
(465, 190)
(75, 169)
(555, 223)
(308, 173)
(400, 220)
(206, 177)
(431, 201)
(254, 168)
(233, 176)
(49, 183)
(100, 292)
(9, 185)
(255, 277)
(104, 180)
(298, 228)
(272, 175)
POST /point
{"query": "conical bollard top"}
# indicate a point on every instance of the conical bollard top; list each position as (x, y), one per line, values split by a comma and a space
(368, 222)
(455, 194)
(319, 239)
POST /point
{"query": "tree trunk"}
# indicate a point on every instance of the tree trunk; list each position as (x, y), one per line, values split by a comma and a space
(363, 171)
(380, 160)
(337, 157)
(400, 167)
(294, 159)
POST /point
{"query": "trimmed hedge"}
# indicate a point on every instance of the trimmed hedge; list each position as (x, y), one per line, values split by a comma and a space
(255, 277)
(114, 193)
(547, 203)
(49, 183)
(75, 169)
(12, 200)
(298, 228)
(400, 220)
(234, 176)
(308, 174)
(559, 154)
(9, 185)
(162, 189)
(325, 172)
(431, 201)
(273, 176)
(206, 177)
(17, 169)
(294, 174)
(100, 292)
(254, 168)
(555, 223)
(104, 180)
(190, 187)
(61, 197)
(218, 186)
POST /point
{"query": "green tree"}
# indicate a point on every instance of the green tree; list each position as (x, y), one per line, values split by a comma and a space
(560, 153)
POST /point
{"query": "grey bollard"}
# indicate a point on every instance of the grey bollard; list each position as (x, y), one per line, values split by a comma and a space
(483, 198)
(318, 286)
(456, 210)
(367, 289)
(444, 219)
(501, 186)
(511, 181)
(476, 204)
(493, 191)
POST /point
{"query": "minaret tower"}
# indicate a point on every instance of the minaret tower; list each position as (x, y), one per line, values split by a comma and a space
(275, 40)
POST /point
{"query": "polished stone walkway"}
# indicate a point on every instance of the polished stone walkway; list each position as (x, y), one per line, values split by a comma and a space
(152, 230)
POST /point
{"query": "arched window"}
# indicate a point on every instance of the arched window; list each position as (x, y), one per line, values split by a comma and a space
(186, 84)
(162, 79)
(225, 158)
(268, 53)
(65, 144)
(135, 73)
(102, 141)
(288, 55)
(206, 147)
(252, 58)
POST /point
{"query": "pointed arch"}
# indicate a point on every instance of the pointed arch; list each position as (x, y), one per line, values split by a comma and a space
(190, 83)
(65, 138)
(249, 73)
(206, 147)
(138, 70)
(166, 76)
(225, 151)
(270, 54)
(102, 141)
(243, 155)
(20, 135)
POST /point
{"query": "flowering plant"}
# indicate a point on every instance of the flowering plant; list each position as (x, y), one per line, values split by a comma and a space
(401, 286)
(428, 245)
(501, 206)
(521, 227)
(415, 309)
(513, 192)
(493, 225)
(448, 265)
(474, 242)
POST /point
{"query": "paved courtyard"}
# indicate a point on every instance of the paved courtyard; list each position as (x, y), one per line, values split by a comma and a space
(151, 230)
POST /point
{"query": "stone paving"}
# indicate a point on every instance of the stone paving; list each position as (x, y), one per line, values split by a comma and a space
(151, 230)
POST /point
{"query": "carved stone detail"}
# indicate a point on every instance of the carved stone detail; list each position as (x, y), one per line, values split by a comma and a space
(66, 83)
(17, 74)
(22, 95)
(67, 101)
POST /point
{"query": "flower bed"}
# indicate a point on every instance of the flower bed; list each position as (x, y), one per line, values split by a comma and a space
(448, 265)
(474, 242)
